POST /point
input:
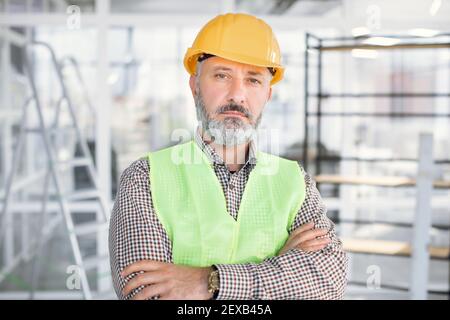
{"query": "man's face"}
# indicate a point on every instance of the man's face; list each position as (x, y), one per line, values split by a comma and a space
(230, 98)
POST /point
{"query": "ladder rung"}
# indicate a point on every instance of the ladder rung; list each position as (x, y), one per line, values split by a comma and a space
(83, 194)
(90, 227)
(92, 262)
(76, 162)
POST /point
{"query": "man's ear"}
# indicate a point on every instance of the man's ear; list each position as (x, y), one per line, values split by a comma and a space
(192, 81)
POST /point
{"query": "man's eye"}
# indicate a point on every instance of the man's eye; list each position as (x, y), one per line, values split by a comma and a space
(254, 81)
(220, 75)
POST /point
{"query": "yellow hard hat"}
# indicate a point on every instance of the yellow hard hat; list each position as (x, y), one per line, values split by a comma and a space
(238, 37)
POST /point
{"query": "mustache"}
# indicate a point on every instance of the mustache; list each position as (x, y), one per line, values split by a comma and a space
(234, 107)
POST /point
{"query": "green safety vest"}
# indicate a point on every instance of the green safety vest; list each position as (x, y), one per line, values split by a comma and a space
(190, 203)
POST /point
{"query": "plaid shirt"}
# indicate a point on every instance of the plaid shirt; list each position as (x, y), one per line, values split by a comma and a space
(137, 234)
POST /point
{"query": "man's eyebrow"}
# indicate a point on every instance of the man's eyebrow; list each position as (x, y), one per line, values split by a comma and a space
(254, 73)
(222, 68)
(250, 72)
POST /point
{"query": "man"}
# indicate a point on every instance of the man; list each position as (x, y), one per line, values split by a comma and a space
(214, 218)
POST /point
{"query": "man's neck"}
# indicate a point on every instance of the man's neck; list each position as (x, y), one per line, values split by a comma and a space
(234, 157)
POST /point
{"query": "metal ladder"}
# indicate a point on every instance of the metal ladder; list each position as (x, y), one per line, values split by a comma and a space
(52, 174)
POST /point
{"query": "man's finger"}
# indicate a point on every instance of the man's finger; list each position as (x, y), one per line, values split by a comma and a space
(143, 265)
(150, 291)
(309, 235)
(141, 280)
(312, 234)
(316, 242)
(302, 228)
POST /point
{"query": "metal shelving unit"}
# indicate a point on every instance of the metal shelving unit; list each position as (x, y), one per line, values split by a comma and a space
(423, 205)
(321, 46)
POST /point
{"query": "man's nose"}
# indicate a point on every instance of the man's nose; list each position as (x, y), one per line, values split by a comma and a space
(236, 92)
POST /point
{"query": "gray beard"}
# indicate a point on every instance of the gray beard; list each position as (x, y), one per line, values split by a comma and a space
(231, 131)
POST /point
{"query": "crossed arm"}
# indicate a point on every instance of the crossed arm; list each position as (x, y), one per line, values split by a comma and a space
(312, 264)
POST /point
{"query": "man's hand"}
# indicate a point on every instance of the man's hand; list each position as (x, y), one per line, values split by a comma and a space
(168, 281)
(306, 238)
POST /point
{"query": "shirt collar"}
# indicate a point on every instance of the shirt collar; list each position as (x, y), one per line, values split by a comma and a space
(215, 158)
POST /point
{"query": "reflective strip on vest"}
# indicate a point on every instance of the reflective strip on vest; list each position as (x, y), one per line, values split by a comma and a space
(190, 203)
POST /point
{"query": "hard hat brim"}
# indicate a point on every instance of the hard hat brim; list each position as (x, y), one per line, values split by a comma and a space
(191, 56)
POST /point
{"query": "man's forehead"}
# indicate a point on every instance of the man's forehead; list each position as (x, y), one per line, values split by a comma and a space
(221, 63)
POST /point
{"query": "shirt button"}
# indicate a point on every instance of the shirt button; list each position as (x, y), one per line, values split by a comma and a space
(231, 186)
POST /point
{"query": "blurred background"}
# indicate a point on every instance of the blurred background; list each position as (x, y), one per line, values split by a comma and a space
(88, 86)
